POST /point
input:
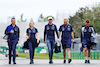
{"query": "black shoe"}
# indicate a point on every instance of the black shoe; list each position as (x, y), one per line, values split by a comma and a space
(31, 62)
(14, 63)
(85, 61)
(88, 61)
(64, 61)
(69, 60)
(9, 62)
(50, 62)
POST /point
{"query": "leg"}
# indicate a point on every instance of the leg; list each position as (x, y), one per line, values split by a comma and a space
(89, 54)
(85, 52)
(31, 51)
(10, 53)
(68, 52)
(68, 46)
(14, 50)
(52, 46)
(49, 49)
(64, 53)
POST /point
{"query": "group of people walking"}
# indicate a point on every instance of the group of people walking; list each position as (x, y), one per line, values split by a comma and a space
(65, 32)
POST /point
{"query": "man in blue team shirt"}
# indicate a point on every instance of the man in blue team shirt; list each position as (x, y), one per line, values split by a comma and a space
(87, 32)
(67, 35)
(13, 36)
(49, 35)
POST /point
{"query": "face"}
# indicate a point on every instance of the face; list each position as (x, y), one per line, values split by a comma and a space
(87, 24)
(31, 24)
(13, 21)
(50, 21)
(65, 21)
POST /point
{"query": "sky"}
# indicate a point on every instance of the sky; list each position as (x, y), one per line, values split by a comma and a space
(33, 8)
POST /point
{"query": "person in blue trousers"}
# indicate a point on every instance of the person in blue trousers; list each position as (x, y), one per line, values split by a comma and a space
(87, 31)
(33, 39)
(67, 35)
(49, 37)
(13, 37)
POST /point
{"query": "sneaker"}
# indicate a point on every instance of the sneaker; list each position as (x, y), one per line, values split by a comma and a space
(69, 60)
(88, 61)
(85, 61)
(64, 61)
(50, 62)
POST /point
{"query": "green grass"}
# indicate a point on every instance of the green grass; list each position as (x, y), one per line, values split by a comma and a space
(36, 56)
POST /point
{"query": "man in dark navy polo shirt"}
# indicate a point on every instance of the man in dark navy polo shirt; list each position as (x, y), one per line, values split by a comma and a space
(87, 32)
(49, 35)
(67, 35)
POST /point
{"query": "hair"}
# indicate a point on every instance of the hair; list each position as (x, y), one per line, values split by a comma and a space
(30, 22)
(12, 18)
(88, 21)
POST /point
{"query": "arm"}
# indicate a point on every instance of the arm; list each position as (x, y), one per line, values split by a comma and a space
(81, 36)
(44, 34)
(60, 30)
(57, 32)
(18, 32)
(93, 30)
(27, 34)
(7, 32)
(37, 36)
(72, 34)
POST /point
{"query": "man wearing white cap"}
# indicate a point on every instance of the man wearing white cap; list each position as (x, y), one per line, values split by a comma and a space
(49, 35)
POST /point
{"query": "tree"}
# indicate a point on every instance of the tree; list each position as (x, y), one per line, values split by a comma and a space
(93, 14)
(21, 19)
(40, 19)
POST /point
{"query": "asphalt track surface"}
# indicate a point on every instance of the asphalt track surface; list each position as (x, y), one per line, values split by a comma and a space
(22, 62)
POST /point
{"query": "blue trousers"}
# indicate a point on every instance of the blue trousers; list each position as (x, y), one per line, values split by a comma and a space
(31, 45)
(50, 45)
(12, 47)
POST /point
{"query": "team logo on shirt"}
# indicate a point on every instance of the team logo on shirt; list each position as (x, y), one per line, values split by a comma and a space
(53, 27)
(29, 31)
(85, 30)
(68, 28)
(33, 31)
(16, 29)
(48, 28)
(63, 28)
(90, 30)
